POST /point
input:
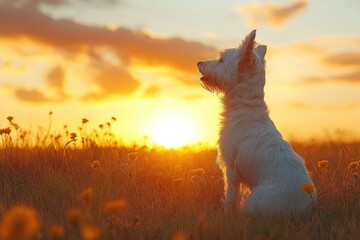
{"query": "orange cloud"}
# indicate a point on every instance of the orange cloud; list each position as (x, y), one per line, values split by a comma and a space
(272, 13)
(55, 79)
(28, 21)
(35, 96)
(344, 59)
(111, 81)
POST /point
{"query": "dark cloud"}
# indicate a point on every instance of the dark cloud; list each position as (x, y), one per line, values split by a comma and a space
(273, 13)
(28, 21)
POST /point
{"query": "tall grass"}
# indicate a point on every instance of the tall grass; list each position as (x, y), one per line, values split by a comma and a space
(151, 193)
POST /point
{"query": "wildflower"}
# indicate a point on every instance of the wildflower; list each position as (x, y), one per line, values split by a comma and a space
(85, 195)
(50, 113)
(84, 120)
(74, 216)
(323, 164)
(90, 232)
(95, 164)
(353, 165)
(56, 231)
(311, 174)
(133, 156)
(113, 119)
(10, 118)
(5, 131)
(20, 222)
(115, 206)
(308, 188)
(181, 236)
(101, 126)
(73, 136)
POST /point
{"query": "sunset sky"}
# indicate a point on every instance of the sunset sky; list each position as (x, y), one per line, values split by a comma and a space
(136, 60)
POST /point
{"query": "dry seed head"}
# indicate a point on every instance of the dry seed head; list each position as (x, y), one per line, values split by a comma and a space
(84, 120)
(5, 131)
(10, 118)
(353, 165)
(133, 156)
(73, 136)
(95, 164)
(115, 206)
(323, 163)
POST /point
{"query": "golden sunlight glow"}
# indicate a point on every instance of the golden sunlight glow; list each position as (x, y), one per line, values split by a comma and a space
(172, 131)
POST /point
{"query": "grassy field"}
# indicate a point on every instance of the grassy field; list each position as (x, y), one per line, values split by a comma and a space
(96, 189)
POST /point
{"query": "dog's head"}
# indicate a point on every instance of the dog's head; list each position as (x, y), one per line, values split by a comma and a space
(236, 65)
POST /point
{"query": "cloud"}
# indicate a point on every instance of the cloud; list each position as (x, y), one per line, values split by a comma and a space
(55, 79)
(111, 81)
(273, 13)
(349, 106)
(28, 21)
(56, 2)
(34, 96)
(344, 59)
(152, 91)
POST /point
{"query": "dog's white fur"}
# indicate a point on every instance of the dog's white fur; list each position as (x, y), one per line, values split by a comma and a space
(251, 150)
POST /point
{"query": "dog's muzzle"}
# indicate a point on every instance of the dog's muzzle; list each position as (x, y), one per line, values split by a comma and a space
(199, 65)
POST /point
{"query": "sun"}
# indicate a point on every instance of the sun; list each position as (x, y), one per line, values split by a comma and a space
(172, 130)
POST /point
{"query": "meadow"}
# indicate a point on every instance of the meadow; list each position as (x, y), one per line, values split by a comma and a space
(86, 185)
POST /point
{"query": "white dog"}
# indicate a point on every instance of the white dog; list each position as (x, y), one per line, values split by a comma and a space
(251, 150)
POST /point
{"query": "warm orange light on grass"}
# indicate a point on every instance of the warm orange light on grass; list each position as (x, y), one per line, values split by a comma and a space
(173, 130)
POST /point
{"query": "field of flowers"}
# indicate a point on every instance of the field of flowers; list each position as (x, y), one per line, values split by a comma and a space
(85, 185)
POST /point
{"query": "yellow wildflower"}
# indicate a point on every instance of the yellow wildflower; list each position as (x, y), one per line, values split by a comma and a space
(308, 188)
(74, 216)
(20, 222)
(181, 236)
(56, 231)
(115, 206)
(90, 232)
(85, 195)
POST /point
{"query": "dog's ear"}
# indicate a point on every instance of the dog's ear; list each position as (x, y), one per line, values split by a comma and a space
(247, 57)
(261, 51)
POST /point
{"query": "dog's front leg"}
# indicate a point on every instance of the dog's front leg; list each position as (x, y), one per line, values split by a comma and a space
(231, 183)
